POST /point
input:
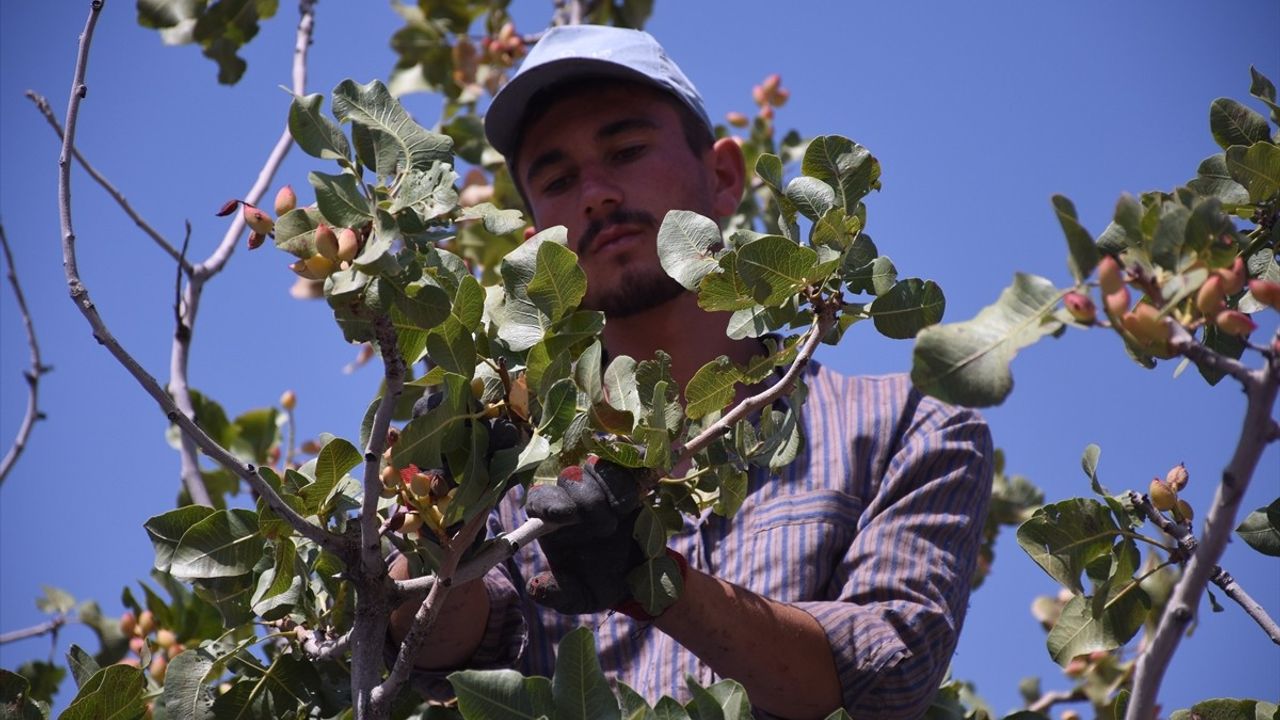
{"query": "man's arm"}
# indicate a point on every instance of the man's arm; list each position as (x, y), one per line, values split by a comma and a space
(458, 629)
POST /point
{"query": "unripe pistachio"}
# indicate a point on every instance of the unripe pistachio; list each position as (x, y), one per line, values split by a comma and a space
(137, 644)
(1233, 279)
(128, 623)
(165, 638)
(393, 437)
(390, 478)
(348, 245)
(759, 95)
(772, 82)
(766, 112)
(1162, 496)
(175, 650)
(779, 97)
(224, 688)
(288, 400)
(412, 523)
(285, 200)
(258, 220)
(1177, 477)
(1070, 715)
(1117, 303)
(1209, 298)
(227, 208)
(1234, 322)
(475, 194)
(1145, 324)
(1183, 511)
(326, 242)
(737, 119)
(1266, 292)
(159, 665)
(256, 239)
(1076, 667)
(1109, 277)
(130, 661)
(310, 447)
(477, 388)
(420, 485)
(1081, 307)
(146, 623)
(304, 289)
(316, 267)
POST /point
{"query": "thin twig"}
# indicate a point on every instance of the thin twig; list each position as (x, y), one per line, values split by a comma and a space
(1188, 545)
(533, 528)
(322, 648)
(38, 368)
(1049, 699)
(424, 619)
(44, 628)
(1261, 389)
(79, 294)
(180, 352)
(43, 106)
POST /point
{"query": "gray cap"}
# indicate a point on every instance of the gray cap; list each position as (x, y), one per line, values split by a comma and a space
(570, 51)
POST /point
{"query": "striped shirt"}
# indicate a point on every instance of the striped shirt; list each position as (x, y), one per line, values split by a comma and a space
(873, 530)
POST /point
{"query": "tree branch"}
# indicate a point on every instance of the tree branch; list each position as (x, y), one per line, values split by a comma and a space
(43, 106)
(38, 368)
(1187, 543)
(533, 528)
(44, 628)
(1181, 342)
(1049, 699)
(181, 350)
(79, 294)
(1260, 389)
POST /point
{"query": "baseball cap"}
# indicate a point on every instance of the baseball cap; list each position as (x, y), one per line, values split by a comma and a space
(572, 51)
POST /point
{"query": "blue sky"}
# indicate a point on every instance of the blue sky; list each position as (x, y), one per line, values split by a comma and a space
(979, 112)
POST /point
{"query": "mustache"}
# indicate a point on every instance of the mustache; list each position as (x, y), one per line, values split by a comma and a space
(620, 216)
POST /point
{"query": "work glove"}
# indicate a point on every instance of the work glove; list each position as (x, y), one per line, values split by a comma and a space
(590, 557)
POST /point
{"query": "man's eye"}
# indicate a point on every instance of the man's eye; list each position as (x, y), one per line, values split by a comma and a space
(556, 184)
(629, 153)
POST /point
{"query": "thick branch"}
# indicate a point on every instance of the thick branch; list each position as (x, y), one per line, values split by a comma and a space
(181, 350)
(38, 368)
(1187, 542)
(43, 106)
(43, 628)
(1181, 342)
(80, 296)
(1260, 389)
(394, 372)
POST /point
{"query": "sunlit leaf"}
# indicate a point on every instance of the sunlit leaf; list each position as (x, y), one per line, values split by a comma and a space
(687, 243)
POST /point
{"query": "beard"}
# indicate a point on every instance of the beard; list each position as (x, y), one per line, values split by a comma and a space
(639, 289)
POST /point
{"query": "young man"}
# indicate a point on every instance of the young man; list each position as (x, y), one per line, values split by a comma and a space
(843, 580)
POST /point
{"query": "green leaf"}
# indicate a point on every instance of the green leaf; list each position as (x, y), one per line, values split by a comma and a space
(619, 385)
(579, 687)
(775, 268)
(315, 133)
(1263, 89)
(812, 197)
(428, 192)
(113, 693)
(1257, 168)
(1079, 632)
(634, 706)
(296, 232)
(655, 584)
(1213, 179)
(498, 222)
(843, 165)
(1261, 529)
(1065, 537)
(83, 666)
(1089, 463)
(687, 244)
(1234, 124)
(725, 700)
(711, 388)
(876, 277)
(224, 544)
(910, 306)
(669, 709)
(44, 678)
(649, 533)
(452, 347)
(468, 304)
(732, 492)
(16, 699)
(185, 693)
(400, 143)
(1083, 257)
(967, 363)
(166, 531)
(558, 284)
(497, 695)
(1170, 235)
(1227, 709)
(55, 600)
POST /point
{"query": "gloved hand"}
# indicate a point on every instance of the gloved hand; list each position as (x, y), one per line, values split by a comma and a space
(590, 558)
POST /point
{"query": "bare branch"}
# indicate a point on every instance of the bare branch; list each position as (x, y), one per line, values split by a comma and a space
(321, 648)
(429, 610)
(44, 628)
(1181, 342)
(38, 368)
(1261, 389)
(43, 106)
(180, 352)
(1049, 699)
(79, 294)
(1187, 543)
(370, 536)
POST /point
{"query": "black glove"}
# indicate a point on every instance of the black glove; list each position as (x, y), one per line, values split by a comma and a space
(590, 558)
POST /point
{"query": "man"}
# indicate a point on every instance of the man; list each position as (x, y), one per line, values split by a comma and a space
(843, 580)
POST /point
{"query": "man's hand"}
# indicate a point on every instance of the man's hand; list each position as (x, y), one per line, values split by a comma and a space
(591, 556)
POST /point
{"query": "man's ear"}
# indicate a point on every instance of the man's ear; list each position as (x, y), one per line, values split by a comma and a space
(730, 173)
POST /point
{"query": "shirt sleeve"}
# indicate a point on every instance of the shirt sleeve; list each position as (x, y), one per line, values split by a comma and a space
(903, 586)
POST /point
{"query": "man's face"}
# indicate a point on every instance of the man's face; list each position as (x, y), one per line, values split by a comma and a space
(608, 166)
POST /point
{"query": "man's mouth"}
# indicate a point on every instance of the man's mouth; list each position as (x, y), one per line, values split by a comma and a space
(618, 225)
(611, 235)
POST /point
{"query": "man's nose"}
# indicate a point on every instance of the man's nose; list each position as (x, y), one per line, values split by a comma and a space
(600, 194)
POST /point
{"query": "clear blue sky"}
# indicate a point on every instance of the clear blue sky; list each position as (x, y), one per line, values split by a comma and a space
(978, 112)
